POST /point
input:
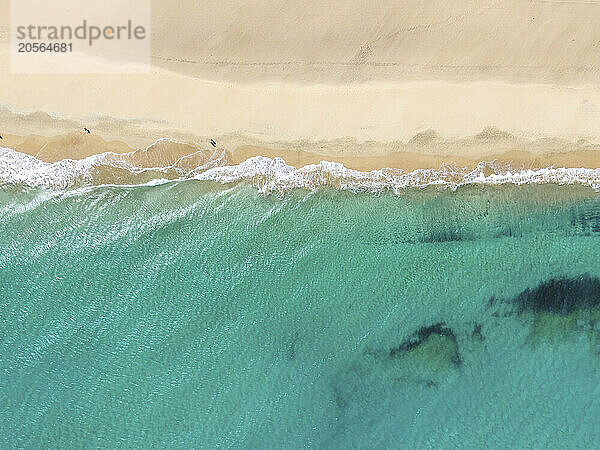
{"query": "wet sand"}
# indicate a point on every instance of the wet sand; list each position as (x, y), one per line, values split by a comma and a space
(424, 151)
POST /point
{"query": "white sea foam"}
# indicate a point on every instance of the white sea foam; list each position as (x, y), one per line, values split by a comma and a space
(19, 168)
(274, 175)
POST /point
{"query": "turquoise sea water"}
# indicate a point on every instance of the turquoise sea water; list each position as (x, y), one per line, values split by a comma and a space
(192, 314)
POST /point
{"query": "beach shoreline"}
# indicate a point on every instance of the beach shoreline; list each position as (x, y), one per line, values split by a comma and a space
(50, 139)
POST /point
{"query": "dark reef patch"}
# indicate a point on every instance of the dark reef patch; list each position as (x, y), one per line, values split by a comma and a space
(561, 296)
(425, 361)
(435, 343)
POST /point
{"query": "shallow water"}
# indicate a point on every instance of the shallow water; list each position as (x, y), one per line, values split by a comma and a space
(194, 314)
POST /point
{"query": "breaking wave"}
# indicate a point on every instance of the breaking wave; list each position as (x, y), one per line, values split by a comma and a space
(268, 175)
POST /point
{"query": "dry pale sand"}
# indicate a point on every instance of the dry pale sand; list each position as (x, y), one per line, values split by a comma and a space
(358, 82)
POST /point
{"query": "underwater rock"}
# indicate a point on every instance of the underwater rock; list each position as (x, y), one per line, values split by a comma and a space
(434, 345)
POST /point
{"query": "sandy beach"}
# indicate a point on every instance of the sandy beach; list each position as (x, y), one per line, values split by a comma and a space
(310, 84)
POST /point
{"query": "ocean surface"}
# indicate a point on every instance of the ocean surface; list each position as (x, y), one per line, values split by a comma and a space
(193, 313)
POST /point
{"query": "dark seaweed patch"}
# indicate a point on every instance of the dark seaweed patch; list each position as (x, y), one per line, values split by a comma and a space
(423, 237)
(421, 334)
(339, 399)
(291, 349)
(586, 217)
(443, 235)
(511, 232)
(423, 382)
(477, 334)
(561, 296)
(424, 333)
